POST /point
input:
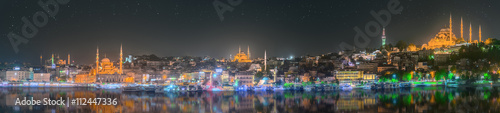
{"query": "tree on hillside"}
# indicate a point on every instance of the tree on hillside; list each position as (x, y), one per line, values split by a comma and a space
(258, 76)
(401, 45)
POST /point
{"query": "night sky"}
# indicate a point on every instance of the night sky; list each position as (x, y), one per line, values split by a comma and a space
(192, 27)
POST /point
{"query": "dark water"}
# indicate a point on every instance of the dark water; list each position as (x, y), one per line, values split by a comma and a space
(428, 99)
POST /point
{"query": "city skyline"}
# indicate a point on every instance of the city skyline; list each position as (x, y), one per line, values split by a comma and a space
(283, 29)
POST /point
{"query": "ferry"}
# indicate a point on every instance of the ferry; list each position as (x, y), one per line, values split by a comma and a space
(227, 87)
(452, 84)
(182, 88)
(309, 88)
(149, 88)
(405, 84)
(132, 88)
(319, 88)
(170, 88)
(328, 88)
(367, 86)
(193, 88)
(278, 88)
(359, 86)
(159, 89)
(242, 88)
(269, 88)
(108, 86)
(259, 88)
(346, 87)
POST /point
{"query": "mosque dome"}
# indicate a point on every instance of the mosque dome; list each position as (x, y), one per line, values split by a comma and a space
(105, 60)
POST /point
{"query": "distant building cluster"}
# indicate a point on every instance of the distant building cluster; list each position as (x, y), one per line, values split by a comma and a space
(356, 66)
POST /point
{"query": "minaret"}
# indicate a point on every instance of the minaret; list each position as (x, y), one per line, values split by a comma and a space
(461, 28)
(248, 51)
(470, 33)
(121, 59)
(97, 61)
(265, 60)
(41, 60)
(451, 26)
(383, 37)
(69, 60)
(479, 34)
(239, 49)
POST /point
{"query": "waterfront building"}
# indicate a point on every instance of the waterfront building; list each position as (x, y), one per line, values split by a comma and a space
(422, 66)
(369, 77)
(245, 78)
(85, 78)
(17, 75)
(2, 75)
(41, 77)
(349, 77)
(367, 66)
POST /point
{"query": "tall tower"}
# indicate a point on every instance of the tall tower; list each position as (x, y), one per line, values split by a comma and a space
(121, 59)
(52, 60)
(97, 61)
(451, 26)
(461, 28)
(69, 59)
(470, 33)
(265, 60)
(239, 49)
(480, 34)
(383, 37)
(248, 51)
(41, 60)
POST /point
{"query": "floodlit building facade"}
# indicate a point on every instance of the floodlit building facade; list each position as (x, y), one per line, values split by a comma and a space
(41, 77)
(16, 75)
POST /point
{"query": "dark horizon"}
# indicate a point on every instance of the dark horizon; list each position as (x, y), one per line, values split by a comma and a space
(193, 28)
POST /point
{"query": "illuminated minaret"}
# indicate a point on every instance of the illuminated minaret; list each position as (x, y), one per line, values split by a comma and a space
(451, 26)
(41, 59)
(97, 61)
(69, 60)
(265, 60)
(239, 49)
(470, 33)
(121, 59)
(461, 28)
(248, 51)
(383, 37)
(479, 34)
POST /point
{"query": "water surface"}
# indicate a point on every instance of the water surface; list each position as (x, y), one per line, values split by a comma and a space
(420, 99)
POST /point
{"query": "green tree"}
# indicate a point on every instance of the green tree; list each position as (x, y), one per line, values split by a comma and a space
(440, 74)
(407, 76)
(494, 78)
(401, 45)
(258, 75)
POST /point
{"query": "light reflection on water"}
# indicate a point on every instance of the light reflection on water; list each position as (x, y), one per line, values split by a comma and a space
(420, 99)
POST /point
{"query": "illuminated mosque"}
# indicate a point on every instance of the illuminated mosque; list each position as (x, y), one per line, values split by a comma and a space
(106, 66)
(105, 70)
(242, 57)
(446, 37)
